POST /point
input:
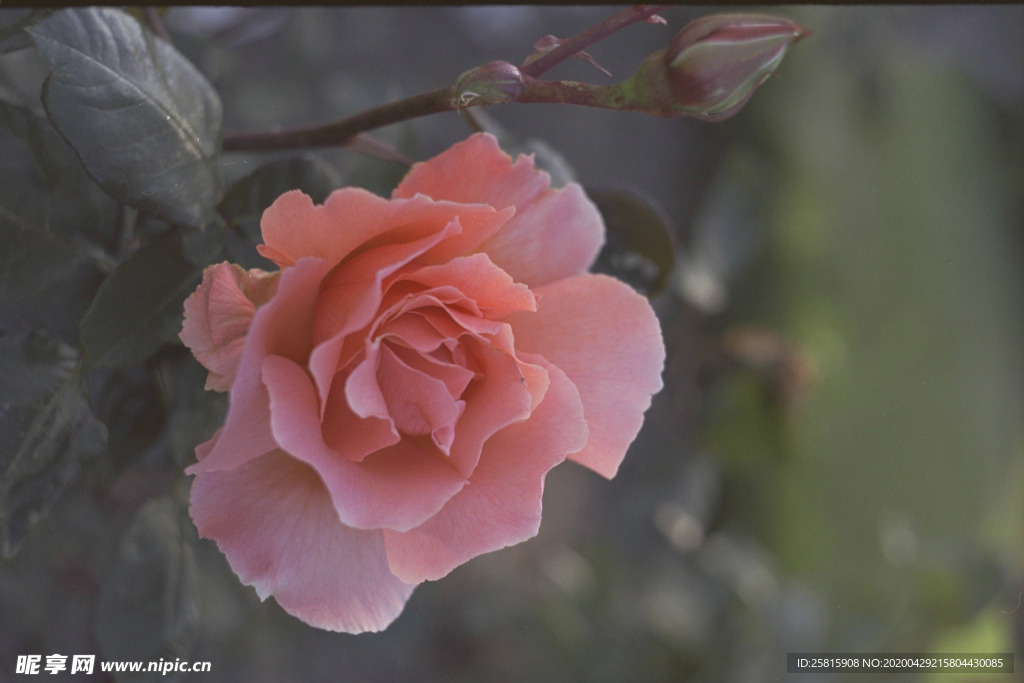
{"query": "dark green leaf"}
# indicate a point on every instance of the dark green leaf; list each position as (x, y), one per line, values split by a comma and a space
(194, 413)
(639, 249)
(46, 430)
(129, 402)
(148, 608)
(139, 307)
(144, 121)
(56, 226)
(246, 200)
(13, 24)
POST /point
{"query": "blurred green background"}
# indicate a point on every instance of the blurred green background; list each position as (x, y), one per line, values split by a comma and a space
(835, 464)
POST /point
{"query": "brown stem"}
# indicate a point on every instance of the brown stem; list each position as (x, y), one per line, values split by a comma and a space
(341, 132)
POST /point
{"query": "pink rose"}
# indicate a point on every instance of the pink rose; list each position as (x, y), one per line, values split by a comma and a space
(401, 386)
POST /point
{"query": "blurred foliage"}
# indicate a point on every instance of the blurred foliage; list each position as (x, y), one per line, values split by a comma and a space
(834, 463)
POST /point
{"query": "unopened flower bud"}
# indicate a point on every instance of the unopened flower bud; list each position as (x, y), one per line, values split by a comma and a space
(711, 67)
(492, 83)
(715, 63)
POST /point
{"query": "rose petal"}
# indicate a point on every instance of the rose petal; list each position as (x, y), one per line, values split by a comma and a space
(418, 403)
(504, 393)
(352, 436)
(490, 288)
(397, 487)
(282, 326)
(352, 219)
(351, 296)
(606, 338)
(554, 233)
(275, 523)
(557, 236)
(475, 170)
(455, 377)
(218, 315)
(501, 505)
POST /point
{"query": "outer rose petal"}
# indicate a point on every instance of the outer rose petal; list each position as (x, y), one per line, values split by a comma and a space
(283, 326)
(218, 315)
(273, 520)
(607, 339)
(554, 233)
(293, 227)
(501, 505)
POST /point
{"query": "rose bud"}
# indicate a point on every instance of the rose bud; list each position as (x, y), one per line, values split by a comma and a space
(711, 67)
(492, 83)
(715, 63)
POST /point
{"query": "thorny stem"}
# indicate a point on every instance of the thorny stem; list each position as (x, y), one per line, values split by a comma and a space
(341, 132)
(582, 41)
(156, 25)
(434, 102)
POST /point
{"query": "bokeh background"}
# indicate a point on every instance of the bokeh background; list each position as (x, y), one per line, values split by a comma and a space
(835, 463)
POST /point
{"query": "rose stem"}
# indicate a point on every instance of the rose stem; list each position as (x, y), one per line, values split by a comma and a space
(424, 104)
(583, 40)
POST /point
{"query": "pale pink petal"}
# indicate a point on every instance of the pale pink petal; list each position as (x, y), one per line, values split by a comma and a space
(490, 288)
(607, 339)
(352, 219)
(557, 236)
(217, 318)
(455, 377)
(414, 331)
(554, 233)
(397, 487)
(282, 326)
(353, 436)
(502, 395)
(275, 523)
(501, 505)
(362, 390)
(418, 403)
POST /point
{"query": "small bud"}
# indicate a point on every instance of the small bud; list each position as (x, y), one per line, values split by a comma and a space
(715, 63)
(492, 83)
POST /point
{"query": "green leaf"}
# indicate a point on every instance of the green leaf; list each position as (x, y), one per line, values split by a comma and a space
(12, 32)
(139, 307)
(56, 226)
(144, 121)
(639, 247)
(46, 430)
(148, 609)
(247, 199)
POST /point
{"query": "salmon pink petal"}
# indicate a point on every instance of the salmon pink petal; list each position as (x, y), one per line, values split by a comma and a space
(557, 236)
(498, 398)
(397, 487)
(275, 523)
(501, 505)
(418, 403)
(351, 296)
(475, 170)
(607, 340)
(455, 377)
(217, 319)
(352, 219)
(353, 436)
(282, 326)
(476, 277)
(554, 233)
